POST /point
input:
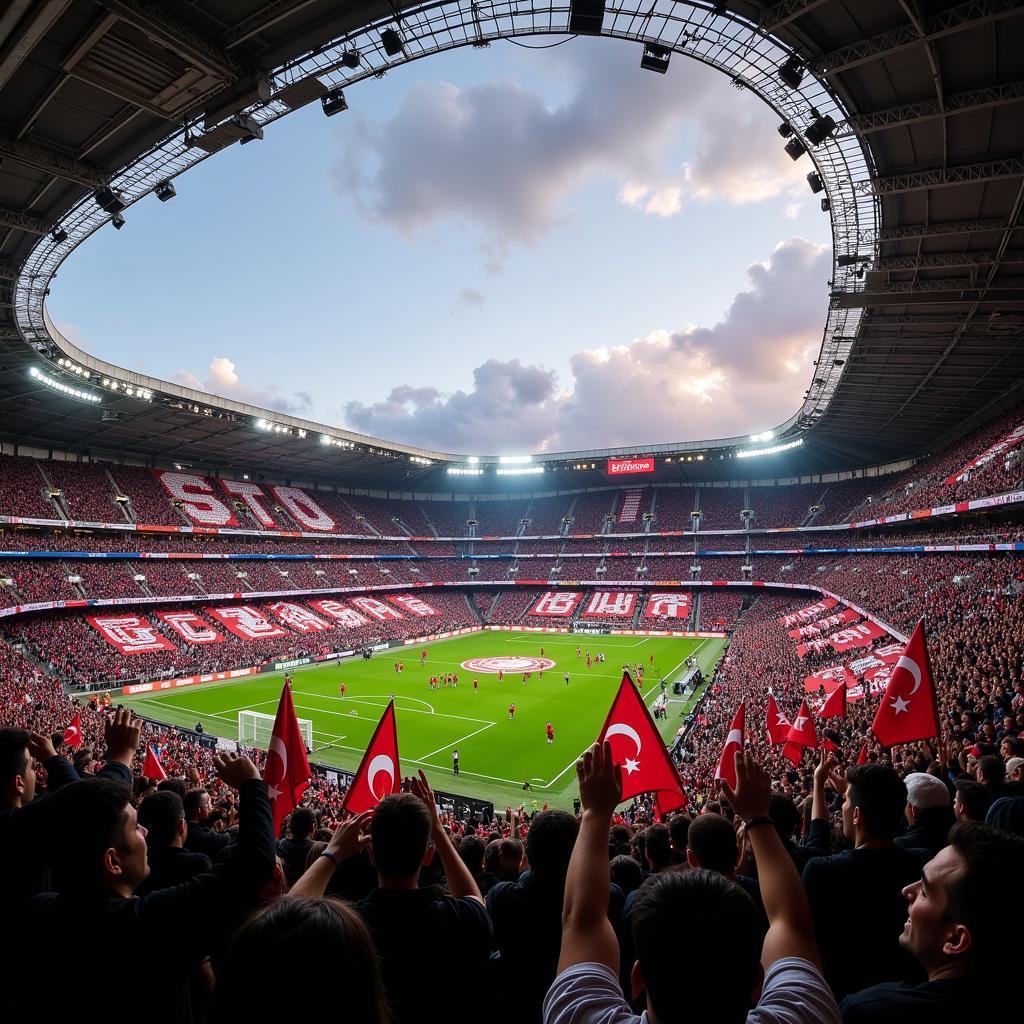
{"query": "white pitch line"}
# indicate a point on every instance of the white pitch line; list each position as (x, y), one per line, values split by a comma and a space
(411, 711)
(362, 699)
(454, 743)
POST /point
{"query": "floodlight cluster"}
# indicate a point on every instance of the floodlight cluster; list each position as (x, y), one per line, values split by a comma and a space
(64, 389)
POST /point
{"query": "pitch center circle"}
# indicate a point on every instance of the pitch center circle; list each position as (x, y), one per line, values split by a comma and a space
(510, 664)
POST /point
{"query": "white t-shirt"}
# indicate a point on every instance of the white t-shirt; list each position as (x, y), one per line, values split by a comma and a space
(795, 992)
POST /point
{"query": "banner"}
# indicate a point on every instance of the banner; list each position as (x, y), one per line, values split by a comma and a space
(810, 613)
(192, 628)
(880, 657)
(627, 467)
(860, 635)
(668, 606)
(246, 622)
(247, 492)
(299, 618)
(129, 634)
(377, 609)
(829, 679)
(411, 603)
(194, 495)
(341, 613)
(303, 509)
(1009, 441)
(557, 603)
(824, 625)
(817, 646)
(610, 604)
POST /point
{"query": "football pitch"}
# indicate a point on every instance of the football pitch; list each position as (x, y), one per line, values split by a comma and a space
(498, 754)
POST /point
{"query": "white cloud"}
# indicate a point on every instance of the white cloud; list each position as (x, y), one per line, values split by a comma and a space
(743, 373)
(499, 157)
(222, 379)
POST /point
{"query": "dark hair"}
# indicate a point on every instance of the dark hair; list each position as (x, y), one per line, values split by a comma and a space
(993, 768)
(975, 798)
(707, 904)
(994, 862)
(658, 846)
(160, 815)
(784, 812)
(399, 831)
(302, 822)
(297, 937)
(881, 796)
(192, 801)
(679, 830)
(82, 758)
(175, 784)
(550, 842)
(1016, 745)
(471, 851)
(13, 753)
(713, 842)
(86, 819)
(626, 873)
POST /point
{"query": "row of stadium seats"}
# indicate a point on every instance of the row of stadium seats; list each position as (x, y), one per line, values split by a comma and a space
(56, 489)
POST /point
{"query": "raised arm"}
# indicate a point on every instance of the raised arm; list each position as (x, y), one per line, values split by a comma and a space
(348, 839)
(790, 925)
(461, 883)
(587, 934)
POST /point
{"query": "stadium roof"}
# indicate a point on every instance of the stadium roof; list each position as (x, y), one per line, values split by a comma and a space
(925, 175)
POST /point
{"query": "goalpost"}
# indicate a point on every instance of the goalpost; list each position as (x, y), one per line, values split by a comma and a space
(255, 729)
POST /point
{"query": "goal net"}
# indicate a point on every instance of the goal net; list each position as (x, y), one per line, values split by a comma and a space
(255, 730)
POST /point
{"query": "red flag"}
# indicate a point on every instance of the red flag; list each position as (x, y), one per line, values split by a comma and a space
(733, 744)
(287, 770)
(862, 757)
(907, 711)
(801, 734)
(778, 724)
(665, 803)
(73, 733)
(381, 758)
(152, 768)
(637, 746)
(835, 705)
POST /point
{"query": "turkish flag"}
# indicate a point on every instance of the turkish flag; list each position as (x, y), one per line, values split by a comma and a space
(637, 746)
(73, 733)
(152, 768)
(862, 757)
(381, 758)
(835, 705)
(801, 734)
(907, 711)
(287, 770)
(778, 724)
(733, 744)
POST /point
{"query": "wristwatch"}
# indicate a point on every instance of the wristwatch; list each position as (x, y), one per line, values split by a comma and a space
(330, 856)
(760, 820)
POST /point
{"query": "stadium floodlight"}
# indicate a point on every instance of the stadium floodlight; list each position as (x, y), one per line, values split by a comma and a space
(333, 102)
(165, 190)
(792, 72)
(465, 471)
(515, 460)
(109, 200)
(795, 148)
(586, 17)
(392, 42)
(351, 58)
(655, 58)
(826, 204)
(785, 129)
(473, 460)
(820, 129)
(59, 235)
(773, 450)
(814, 180)
(520, 471)
(118, 221)
(65, 389)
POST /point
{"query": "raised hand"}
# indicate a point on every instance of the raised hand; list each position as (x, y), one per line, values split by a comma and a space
(233, 769)
(122, 732)
(600, 780)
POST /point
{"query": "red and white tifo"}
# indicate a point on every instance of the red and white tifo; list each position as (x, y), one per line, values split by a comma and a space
(507, 664)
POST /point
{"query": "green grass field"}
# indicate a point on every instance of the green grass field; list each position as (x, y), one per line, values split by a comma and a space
(497, 755)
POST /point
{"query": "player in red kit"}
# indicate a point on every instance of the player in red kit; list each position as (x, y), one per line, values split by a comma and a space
(542, 652)
(501, 675)
(551, 733)
(511, 712)
(476, 686)
(341, 690)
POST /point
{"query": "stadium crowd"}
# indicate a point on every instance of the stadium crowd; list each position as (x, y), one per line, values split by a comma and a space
(858, 884)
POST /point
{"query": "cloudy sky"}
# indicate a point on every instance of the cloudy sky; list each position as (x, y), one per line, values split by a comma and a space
(492, 251)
